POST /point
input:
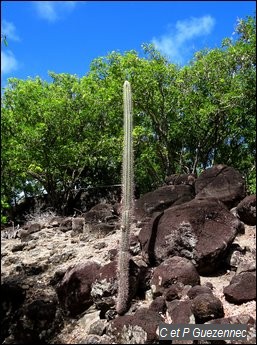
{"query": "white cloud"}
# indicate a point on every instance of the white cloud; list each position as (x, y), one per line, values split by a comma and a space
(53, 10)
(8, 62)
(8, 29)
(175, 44)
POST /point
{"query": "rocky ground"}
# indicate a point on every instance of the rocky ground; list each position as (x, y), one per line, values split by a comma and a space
(50, 250)
(74, 333)
(193, 260)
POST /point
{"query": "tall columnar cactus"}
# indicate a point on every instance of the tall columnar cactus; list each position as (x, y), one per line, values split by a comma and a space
(127, 203)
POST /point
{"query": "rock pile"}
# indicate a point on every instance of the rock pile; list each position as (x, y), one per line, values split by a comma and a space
(59, 275)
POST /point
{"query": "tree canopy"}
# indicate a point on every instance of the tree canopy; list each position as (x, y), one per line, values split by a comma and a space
(66, 134)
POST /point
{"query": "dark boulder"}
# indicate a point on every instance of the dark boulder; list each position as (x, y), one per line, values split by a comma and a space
(200, 230)
(101, 219)
(172, 271)
(100, 213)
(243, 319)
(162, 198)
(158, 305)
(221, 182)
(74, 290)
(66, 224)
(175, 291)
(198, 290)
(140, 328)
(246, 210)
(241, 289)
(206, 307)
(41, 313)
(12, 298)
(180, 312)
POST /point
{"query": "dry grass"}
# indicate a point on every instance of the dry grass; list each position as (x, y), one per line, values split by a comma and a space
(40, 218)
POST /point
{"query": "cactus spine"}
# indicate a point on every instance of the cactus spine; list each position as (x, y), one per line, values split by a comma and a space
(127, 203)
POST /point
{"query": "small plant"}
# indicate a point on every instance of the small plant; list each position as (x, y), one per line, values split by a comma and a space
(41, 218)
(127, 203)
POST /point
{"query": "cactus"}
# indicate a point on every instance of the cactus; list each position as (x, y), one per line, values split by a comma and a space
(122, 304)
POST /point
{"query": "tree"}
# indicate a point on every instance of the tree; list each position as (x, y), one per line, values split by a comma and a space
(50, 137)
(219, 105)
(68, 133)
(155, 100)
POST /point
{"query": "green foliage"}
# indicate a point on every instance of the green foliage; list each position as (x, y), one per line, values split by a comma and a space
(219, 104)
(54, 136)
(251, 181)
(68, 133)
(4, 206)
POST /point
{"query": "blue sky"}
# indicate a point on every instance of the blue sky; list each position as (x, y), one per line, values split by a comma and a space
(65, 36)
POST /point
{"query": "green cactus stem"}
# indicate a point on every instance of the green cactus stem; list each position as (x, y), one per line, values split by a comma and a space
(122, 304)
